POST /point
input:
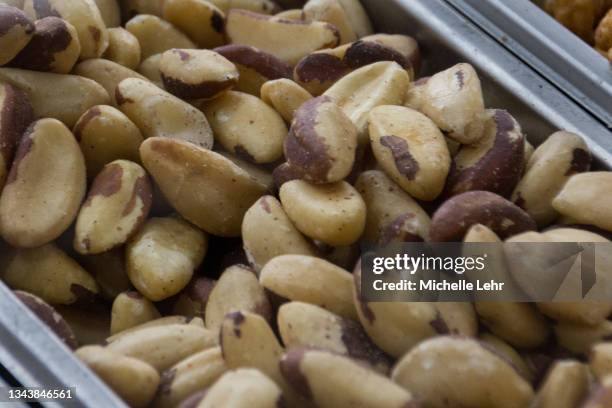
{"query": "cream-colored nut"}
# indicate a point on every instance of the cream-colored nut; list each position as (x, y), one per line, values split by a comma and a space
(162, 257)
(190, 177)
(131, 309)
(255, 66)
(156, 35)
(160, 114)
(312, 280)
(123, 48)
(16, 31)
(149, 68)
(18, 116)
(285, 96)
(243, 388)
(202, 21)
(133, 380)
(71, 94)
(332, 213)
(322, 378)
(381, 83)
(508, 352)
(495, 162)
(164, 346)
(290, 14)
(84, 15)
(49, 316)
(580, 338)
(236, 289)
(358, 18)
(289, 40)
(190, 375)
(392, 215)
(306, 325)
(108, 269)
(411, 150)
(257, 6)
(162, 321)
(453, 99)
(415, 98)
(565, 386)
(330, 11)
(322, 142)
(247, 127)
(110, 12)
(48, 273)
(192, 300)
(45, 186)
(196, 74)
(117, 204)
(54, 47)
(453, 371)
(562, 155)
(585, 198)
(105, 134)
(268, 232)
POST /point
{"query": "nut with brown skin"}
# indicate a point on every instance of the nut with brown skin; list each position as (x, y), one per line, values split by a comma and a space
(255, 66)
(332, 12)
(156, 35)
(243, 388)
(16, 30)
(196, 74)
(131, 309)
(192, 300)
(54, 47)
(410, 149)
(45, 186)
(292, 39)
(285, 96)
(202, 21)
(123, 48)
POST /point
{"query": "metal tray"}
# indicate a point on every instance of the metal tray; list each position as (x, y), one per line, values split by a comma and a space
(36, 358)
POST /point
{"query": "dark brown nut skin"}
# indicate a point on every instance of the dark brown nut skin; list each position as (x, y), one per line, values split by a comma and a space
(452, 220)
(494, 163)
(16, 30)
(54, 47)
(192, 300)
(49, 317)
(15, 116)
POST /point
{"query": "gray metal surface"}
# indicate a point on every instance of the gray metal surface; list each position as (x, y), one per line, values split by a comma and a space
(536, 38)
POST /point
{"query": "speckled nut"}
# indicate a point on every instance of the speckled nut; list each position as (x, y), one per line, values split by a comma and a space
(292, 39)
(565, 386)
(322, 142)
(255, 66)
(16, 30)
(201, 174)
(133, 380)
(71, 94)
(45, 186)
(452, 220)
(321, 377)
(17, 116)
(123, 48)
(268, 232)
(49, 316)
(202, 21)
(381, 83)
(243, 388)
(410, 149)
(306, 325)
(156, 35)
(332, 213)
(562, 155)
(392, 215)
(105, 134)
(246, 126)
(461, 372)
(160, 114)
(117, 204)
(311, 280)
(54, 47)
(149, 67)
(495, 162)
(163, 346)
(196, 74)
(162, 257)
(285, 96)
(84, 15)
(585, 197)
(48, 273)
(453, 99)
(131, 309)
(196, 372)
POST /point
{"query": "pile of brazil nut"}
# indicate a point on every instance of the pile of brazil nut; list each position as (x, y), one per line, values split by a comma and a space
(186, 186)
